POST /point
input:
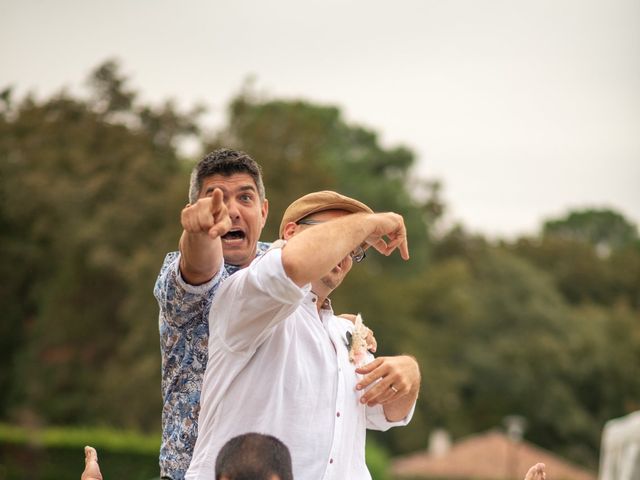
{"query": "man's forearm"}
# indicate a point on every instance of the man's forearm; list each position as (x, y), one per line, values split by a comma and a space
(315, 251)
(200, 257)
(396, 410)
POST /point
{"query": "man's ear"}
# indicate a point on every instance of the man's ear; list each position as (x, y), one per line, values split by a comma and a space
(289, 230)
(265, 211)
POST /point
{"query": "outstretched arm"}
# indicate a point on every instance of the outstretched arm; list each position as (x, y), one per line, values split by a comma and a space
(315, 251)
(204, 223)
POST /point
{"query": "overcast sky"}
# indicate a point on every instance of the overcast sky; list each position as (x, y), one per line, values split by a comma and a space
(523, 109)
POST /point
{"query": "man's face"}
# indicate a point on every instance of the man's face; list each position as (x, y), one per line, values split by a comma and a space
(248, 215)
(334, 278)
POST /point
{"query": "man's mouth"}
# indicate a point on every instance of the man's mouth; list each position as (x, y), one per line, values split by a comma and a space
(233, 235)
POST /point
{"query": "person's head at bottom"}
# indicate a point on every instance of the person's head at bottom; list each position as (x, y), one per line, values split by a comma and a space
(254, 456)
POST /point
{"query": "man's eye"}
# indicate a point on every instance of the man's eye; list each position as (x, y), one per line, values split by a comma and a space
(245, 198)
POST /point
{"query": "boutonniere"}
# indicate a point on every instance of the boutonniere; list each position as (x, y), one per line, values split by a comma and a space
(357, 342)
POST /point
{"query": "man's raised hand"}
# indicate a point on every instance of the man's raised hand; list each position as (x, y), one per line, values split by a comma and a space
(208, 215)
(390, 226)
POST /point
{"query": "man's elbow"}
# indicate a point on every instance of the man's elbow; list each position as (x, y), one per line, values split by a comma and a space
(295, 269)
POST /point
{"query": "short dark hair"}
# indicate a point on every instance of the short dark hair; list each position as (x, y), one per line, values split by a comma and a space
(226, 162)
(254, 456)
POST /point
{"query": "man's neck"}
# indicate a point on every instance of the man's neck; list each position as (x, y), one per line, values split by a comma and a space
(321, 295)
(239, 267)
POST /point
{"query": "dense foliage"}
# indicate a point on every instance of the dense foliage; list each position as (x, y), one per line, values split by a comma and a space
(547, 327)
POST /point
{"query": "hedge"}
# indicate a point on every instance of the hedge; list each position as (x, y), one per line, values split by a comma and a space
(57, 453)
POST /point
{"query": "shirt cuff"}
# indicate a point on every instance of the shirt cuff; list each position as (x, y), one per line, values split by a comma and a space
(194, 289)
(376, 419)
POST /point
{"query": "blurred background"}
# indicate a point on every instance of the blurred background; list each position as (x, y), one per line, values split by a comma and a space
(506, 133)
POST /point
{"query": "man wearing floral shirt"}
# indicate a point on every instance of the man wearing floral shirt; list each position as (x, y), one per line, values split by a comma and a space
(226, 214)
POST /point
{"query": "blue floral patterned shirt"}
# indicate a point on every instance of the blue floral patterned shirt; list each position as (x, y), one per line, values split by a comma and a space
(184, 338)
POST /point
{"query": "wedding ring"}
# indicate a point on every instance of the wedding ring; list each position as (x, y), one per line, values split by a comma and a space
(395, 390)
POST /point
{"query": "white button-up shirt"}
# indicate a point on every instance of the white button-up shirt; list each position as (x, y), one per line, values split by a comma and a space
(278, 367)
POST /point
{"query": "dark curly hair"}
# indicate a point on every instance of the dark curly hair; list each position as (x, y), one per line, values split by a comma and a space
(226, 162)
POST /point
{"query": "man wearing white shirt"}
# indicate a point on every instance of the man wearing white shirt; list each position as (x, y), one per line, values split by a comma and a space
(278, 356)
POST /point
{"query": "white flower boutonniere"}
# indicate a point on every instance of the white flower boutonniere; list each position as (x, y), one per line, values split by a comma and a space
(357, 342)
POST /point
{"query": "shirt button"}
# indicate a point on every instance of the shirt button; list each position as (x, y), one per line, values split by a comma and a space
(313, 300)
(331, 460)
(338, 414)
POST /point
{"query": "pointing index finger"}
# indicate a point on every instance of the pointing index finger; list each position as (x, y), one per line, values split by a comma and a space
(404, 249)
(216, 200)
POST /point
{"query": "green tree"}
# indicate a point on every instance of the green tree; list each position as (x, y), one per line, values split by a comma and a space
(91, 190)
(497, 336)
(593, 255)
(605, 229)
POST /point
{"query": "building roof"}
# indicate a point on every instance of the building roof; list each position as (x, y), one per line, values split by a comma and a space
(487, 456)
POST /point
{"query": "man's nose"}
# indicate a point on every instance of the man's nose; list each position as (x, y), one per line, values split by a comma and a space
(232, 209)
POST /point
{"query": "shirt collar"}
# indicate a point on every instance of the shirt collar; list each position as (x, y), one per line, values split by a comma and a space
(314, 299)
